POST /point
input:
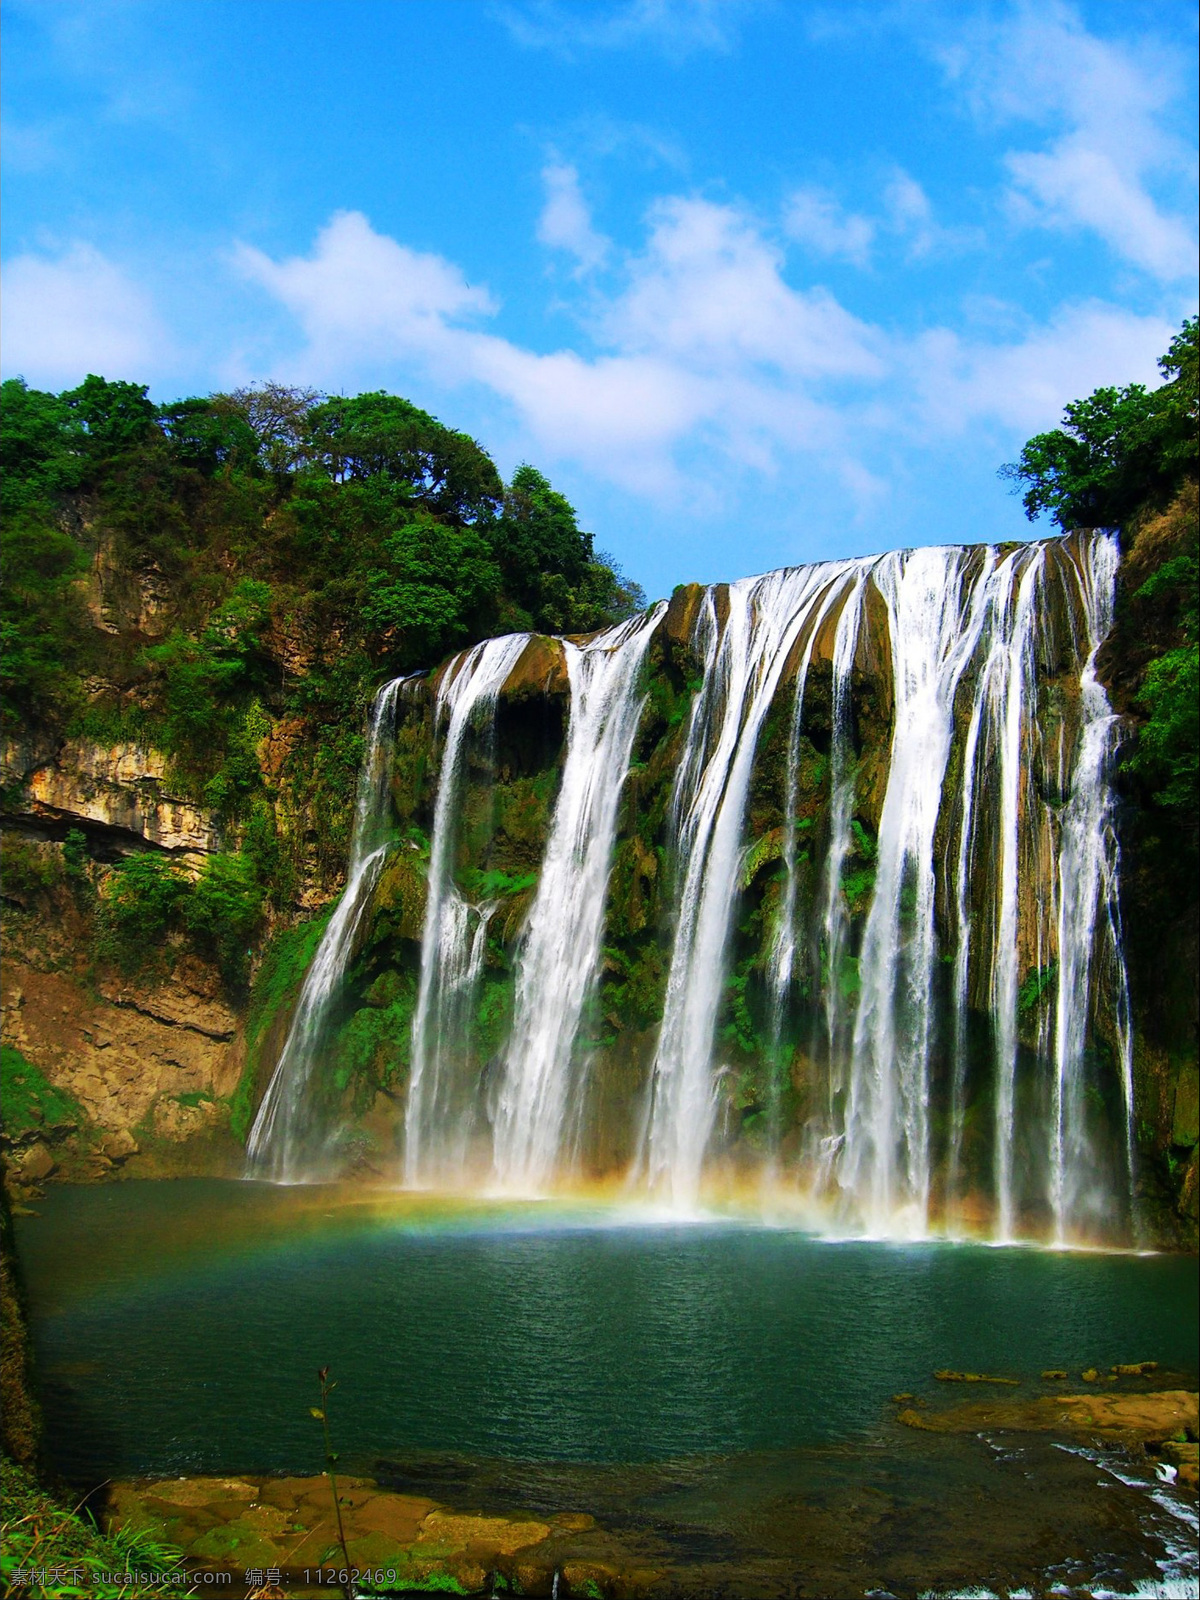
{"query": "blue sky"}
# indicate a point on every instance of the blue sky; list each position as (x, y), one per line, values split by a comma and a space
(753, 281)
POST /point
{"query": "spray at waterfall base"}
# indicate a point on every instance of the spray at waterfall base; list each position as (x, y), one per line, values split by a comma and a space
(799, 889)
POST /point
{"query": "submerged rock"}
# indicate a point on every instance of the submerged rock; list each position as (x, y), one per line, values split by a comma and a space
(945, 1375)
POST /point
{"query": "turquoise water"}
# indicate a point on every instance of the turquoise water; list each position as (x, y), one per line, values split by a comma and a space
(179, 1327)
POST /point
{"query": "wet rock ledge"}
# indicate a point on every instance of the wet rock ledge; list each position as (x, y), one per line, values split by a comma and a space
(251, 1525)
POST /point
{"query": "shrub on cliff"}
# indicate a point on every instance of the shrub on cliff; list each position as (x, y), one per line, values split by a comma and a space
(150, 905)
(1118, 450)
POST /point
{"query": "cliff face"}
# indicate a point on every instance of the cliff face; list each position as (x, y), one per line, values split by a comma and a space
(146, 1053)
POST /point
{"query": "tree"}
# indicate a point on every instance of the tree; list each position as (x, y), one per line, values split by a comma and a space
(1117, 450)
(381, 435)
(278, 416)
(208, 437)
(41, 443)
(437, 591)
(114, 416)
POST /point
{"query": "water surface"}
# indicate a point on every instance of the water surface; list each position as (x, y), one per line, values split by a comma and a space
(179, 1327)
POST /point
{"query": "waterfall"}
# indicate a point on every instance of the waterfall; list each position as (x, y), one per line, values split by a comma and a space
(1087, 894)
(935, 615)
(559, 954)
(963, 1060)
(276, 1147)
(744, 660)
(1008, 688)
(841, 807)
(437, 1124)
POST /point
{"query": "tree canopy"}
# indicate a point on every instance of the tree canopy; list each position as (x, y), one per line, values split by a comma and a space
(1116, 450)
(301, 547)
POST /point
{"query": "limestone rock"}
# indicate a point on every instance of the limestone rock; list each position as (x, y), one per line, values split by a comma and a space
(35, 1164)
(122, 787)
(119, 1144)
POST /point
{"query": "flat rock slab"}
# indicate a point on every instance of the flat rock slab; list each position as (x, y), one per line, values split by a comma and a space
(243, 1523)
(1150, 1419)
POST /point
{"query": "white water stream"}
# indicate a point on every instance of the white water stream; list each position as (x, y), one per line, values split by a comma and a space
(438, 1126)
(279, 1145)
(559, 955)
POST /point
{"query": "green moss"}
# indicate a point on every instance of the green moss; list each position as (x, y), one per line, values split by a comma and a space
(28, 870)
(493, 1012)
(1035, 987)
(371, 1049)
(30, 1101)
(497, 884)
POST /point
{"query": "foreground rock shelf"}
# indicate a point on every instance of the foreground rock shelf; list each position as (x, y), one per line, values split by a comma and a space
(1165, 1423)
(252, 1525)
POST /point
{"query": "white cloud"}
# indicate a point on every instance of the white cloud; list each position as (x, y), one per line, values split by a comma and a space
(709, 292)
(818, 223)
(566, 222)
(361, 297)
(1106, 106)
(67, 315)
(1023, 383)
(815, 220)
(705, 353)
(704, 339)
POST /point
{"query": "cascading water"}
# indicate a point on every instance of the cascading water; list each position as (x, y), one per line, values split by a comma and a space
(1087, 895)
(935, 616)
(278, 1145)
(557, 962)
(744, 660)
(841, 806)
(941, 996)
(439, 1123)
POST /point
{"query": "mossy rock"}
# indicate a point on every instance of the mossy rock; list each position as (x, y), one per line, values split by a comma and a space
(238, 1541)
(400, 897)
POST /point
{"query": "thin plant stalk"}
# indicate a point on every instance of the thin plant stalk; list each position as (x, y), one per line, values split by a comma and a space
(321, 1413)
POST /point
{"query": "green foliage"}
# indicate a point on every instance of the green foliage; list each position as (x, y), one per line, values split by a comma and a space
(1167, 756)
(41, 444)
(41, 618)
(438, 588)
(497, 884)
(147, 899)
(362, 524)
(1036, 985)
(40, 1533)
(223, 913)
(741, 1027)
(371, 1048)
(865, 844)
(381, 435)
(76, 855)
(1116, 450)
(1168, 751)
(114, 417)
(202, 680)
(493, 1012)
(548, 566)
(139, 906)
(30, 1101)
(26, 870)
